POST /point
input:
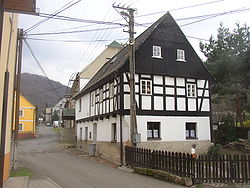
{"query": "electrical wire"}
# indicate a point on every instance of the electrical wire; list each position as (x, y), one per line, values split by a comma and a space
(72, 41)
(63, 8)
(70, 32)
(181, 8)
(44, 91)
(41, 68)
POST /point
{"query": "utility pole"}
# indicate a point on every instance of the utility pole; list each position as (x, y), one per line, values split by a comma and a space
(135, 137)
(19, 68)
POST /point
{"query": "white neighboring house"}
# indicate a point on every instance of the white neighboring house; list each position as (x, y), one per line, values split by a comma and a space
(172, 93)
(58, 108)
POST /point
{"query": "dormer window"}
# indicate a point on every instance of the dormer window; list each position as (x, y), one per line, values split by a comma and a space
(157, 52)
(180, 55)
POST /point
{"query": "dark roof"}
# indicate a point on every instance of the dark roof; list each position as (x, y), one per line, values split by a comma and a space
(166, 24)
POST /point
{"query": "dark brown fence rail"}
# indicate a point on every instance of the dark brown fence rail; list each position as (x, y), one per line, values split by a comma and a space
(222, 168)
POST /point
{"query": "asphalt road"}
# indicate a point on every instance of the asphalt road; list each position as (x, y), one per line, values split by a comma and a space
(46, 157)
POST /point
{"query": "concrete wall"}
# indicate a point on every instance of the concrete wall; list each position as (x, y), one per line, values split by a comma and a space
(68, 135)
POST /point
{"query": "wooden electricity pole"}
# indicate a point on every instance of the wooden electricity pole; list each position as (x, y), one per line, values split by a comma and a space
(19, 68)
(135, 137)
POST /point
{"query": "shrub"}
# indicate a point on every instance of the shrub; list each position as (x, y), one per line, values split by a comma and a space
(227, 131)
(213, 150)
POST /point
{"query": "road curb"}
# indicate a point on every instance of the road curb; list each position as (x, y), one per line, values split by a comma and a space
(125, 169)
(53, 182)
(17, 182)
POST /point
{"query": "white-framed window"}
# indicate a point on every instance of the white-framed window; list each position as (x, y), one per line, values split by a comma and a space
(191, 90)
(101, 95)
(157, 52)
(111, 90)
(191, 132)
(153, 130)
(113, 132)
(92, 98)
(146, 87)
(80, 105)
(20, 127)
(180, 55)
(21, 113)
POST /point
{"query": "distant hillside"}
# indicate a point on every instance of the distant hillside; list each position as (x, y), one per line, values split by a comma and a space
(38, 90)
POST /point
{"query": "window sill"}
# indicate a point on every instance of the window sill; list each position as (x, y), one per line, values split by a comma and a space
(188, 138)
(194, 97)
(143, 94)
(157, 57)
(181, 60)
(154, 139)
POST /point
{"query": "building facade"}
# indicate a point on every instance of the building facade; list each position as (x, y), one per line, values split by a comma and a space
(27, 119)
(172, 88)
(7, 62)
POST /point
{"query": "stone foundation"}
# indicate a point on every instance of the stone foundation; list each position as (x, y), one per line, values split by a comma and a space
(106, 150)
(177, 146)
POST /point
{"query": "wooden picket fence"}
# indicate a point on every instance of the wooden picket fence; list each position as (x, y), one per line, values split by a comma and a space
(203, 169)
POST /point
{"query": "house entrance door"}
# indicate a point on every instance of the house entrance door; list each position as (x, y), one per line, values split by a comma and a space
(95, 132)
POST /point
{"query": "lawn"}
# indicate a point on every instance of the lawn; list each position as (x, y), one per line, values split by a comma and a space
(22, 171)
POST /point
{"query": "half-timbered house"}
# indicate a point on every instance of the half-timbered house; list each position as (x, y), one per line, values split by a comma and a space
(172, 93)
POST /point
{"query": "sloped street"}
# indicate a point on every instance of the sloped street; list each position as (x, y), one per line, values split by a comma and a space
(48, 160)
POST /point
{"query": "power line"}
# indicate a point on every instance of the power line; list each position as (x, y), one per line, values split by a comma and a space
(207, 16)
(70, 32)
(67, 6)
(72, 41)
(181, 8)
(41, 68)
(44, 91)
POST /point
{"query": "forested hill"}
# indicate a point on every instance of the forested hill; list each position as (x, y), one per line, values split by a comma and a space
(38, 90)
(228, 60)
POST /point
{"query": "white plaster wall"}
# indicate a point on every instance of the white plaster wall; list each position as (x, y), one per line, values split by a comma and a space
(181, 91)
(173, 128)
(170, 103)
(158, 89)
(192, 104)
(146, 102)
(181, 104)
(205, 105)
(180, 81)
(85, 107)
(158, 103)
(104, 129)
(169, 91)
(169, 80)
(200, 83)
(158, 80)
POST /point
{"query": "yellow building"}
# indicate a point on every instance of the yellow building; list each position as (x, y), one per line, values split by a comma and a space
(27, 119)
(7, 62)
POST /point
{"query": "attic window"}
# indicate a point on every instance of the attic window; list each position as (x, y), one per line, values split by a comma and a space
(156, 52)
(180, 56)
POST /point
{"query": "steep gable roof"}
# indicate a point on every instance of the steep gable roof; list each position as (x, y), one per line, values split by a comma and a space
(164, 27)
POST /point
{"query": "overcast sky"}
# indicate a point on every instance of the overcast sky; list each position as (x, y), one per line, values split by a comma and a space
(60, 58)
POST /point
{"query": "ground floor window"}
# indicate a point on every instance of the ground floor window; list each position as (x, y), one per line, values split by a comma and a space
(191, 130)
(113, 132)
(153, 130)
(20, 127)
